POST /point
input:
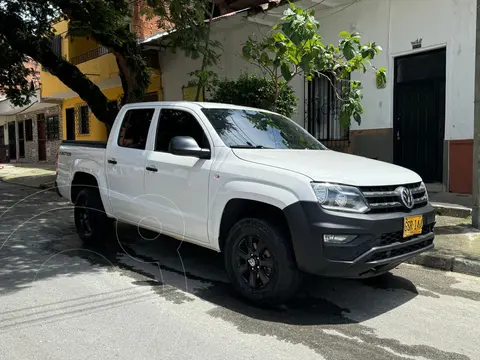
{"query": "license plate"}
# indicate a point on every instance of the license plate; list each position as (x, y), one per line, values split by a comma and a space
(412, 225)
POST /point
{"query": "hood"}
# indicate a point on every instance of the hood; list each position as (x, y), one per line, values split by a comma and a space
(331, 166)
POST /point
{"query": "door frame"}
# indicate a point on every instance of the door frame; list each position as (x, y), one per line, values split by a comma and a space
(67, 110)
(392, 63)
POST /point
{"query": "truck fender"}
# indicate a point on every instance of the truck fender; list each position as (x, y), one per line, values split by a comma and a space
(261, 192)
(96, 170)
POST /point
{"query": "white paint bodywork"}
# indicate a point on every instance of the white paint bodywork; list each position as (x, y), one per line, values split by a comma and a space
(186, 197)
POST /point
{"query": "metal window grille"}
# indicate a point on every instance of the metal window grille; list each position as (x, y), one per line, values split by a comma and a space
(56, 45)
(323, 111)
(53, 128)
(83, 119)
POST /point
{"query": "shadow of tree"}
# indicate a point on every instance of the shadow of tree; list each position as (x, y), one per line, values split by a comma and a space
(47, 247)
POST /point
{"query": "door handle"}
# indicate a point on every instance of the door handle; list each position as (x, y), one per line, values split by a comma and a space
(152, 168)
(398, 135)
(112, 161)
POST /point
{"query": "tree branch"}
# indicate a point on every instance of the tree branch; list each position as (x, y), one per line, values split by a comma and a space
(14, 31)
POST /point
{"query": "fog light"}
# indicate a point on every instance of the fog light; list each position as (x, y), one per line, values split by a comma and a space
(338, 239)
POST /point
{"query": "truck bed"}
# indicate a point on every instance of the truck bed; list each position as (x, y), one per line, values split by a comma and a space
(86, 143)
(85, 156)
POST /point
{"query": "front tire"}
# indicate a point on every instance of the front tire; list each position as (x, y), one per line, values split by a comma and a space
(93, 225)
(260, 263)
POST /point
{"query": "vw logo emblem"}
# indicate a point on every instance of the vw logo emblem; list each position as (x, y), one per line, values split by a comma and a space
(406, 196)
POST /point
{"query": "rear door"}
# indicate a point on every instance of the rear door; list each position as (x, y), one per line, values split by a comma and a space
(125, 164)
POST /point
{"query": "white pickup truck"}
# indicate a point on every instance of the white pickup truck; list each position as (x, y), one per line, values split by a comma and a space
(251, 184)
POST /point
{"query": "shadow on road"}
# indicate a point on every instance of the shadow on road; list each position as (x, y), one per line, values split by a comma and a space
(47, 246)
(200, 272)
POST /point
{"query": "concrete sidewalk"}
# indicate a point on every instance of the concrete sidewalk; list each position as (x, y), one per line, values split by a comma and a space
(457, 247)
(450, 204)
(40, 176)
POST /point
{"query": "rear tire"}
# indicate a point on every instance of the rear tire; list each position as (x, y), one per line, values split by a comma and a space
(93, 225)
(260, 263)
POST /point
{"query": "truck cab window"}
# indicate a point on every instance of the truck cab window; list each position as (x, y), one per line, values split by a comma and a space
(178, 123)
(134, 131)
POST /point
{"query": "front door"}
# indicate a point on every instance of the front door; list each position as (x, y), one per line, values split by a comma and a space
(12, 141)
(178, 200)
(70, 122)
(125, 165)
(419, 110)
(42, 138)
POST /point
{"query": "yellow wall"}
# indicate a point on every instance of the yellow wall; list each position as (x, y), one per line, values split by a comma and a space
(80, 45)
(98, 131)
(97, 70)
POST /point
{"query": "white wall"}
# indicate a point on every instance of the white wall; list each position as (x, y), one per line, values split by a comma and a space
(232, 32)
(394, 24)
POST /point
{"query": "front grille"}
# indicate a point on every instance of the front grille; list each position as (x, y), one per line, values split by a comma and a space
(387, 254)
(397, 237)
(384, 199)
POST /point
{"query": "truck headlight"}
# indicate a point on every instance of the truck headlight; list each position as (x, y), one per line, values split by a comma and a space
(340, 197)
(422, 186)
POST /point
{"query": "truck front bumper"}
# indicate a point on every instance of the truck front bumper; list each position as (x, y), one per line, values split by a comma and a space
(378, 247)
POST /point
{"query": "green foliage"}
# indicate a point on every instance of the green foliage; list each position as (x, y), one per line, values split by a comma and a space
(191, 20)
(26, 31)
(295, 47)
(255, 91)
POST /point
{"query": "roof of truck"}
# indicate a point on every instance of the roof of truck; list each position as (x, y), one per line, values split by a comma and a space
(191, 104)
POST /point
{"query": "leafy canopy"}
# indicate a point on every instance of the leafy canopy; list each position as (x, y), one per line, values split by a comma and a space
(295, 47)
(255, 91)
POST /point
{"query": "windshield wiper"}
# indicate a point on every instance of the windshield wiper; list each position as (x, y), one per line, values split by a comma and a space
(249, 147)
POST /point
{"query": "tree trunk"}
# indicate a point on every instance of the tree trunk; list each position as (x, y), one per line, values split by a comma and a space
(40, 50)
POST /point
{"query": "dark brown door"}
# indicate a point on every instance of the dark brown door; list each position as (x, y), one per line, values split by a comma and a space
(70, 115)
(3, 148)
(42, 141)
(12, 141)
(21, 140)
(419, 123)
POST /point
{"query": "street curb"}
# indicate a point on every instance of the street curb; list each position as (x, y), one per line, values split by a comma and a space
(447, 262)
(458, 212)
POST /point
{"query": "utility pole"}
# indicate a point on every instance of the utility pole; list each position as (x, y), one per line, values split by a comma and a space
(476, 128)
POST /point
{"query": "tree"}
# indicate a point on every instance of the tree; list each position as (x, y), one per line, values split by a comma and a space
(192, 34)
(26, 32)
(256, 91)
(294, 46)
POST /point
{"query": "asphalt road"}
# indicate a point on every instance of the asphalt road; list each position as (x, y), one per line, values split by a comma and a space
(142, 298)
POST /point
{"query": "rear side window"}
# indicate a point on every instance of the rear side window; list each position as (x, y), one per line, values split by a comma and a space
(134, 131)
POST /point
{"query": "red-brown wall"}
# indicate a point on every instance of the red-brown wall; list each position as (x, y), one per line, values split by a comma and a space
(460, 166)
(144, 27)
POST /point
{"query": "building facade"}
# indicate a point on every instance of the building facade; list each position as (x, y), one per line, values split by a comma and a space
(31, 133)
(422, 119)
(94, 60)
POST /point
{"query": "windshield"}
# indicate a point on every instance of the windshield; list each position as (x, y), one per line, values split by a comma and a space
(257, 129)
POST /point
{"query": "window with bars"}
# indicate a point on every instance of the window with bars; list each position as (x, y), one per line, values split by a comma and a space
(56, 46)
(323, 111)
(83, 120)
(28, 130)
(53, 128)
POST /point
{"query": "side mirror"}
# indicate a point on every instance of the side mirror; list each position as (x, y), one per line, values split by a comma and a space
(187, 146)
